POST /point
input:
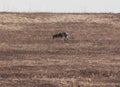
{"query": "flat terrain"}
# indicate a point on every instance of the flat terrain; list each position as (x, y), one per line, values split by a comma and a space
(29, 57)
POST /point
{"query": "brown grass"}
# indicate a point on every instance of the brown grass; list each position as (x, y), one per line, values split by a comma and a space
(30, 58)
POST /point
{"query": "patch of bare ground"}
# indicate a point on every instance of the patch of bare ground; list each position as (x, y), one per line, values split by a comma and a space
(29, 57)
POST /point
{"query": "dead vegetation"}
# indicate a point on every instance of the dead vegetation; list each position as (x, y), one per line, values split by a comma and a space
(30, 58)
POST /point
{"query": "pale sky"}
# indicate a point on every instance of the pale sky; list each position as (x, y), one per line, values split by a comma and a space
(60, 5)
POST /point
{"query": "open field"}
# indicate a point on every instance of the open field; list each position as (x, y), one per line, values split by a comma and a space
(29, 57)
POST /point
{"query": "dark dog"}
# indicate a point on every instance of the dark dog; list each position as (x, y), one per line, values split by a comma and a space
(60, 35)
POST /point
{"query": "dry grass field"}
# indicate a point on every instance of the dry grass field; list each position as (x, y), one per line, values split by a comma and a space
(29, 57)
